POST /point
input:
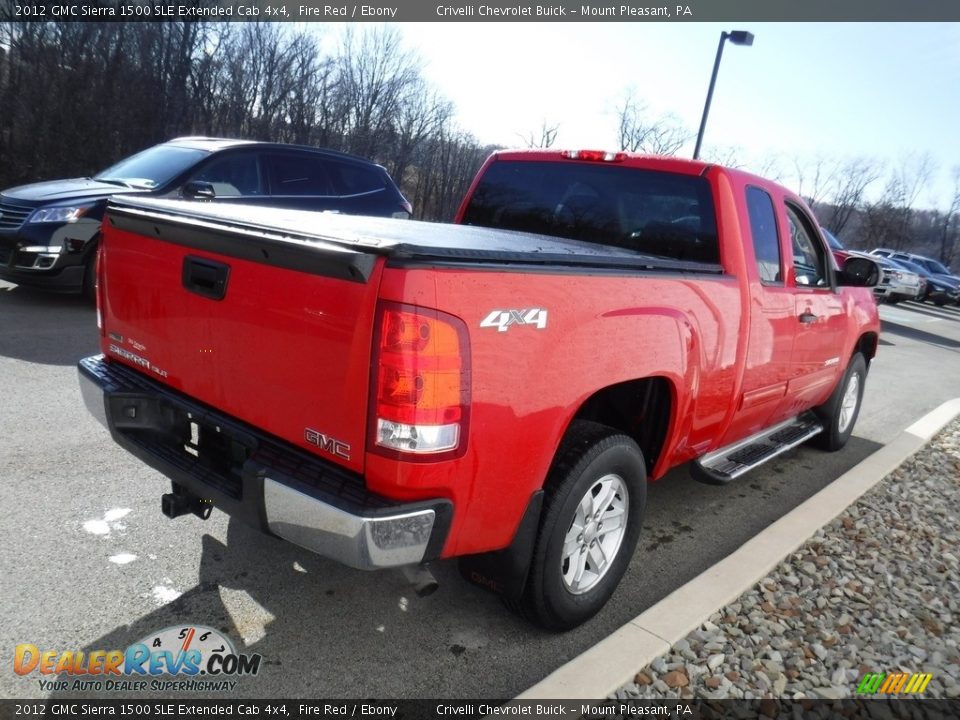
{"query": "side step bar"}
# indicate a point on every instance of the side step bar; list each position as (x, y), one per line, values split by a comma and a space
(723, 465)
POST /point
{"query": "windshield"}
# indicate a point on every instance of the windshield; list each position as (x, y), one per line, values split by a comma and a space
(153, 167)
(653, 213)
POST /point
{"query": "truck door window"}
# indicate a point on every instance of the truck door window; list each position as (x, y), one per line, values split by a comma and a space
(298, 175)
(233, 176)
(766, 239)
(808, 255)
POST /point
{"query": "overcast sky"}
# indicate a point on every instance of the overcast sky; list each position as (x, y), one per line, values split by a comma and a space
(835, 89)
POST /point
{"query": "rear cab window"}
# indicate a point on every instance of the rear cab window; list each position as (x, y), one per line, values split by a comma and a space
(650, 212)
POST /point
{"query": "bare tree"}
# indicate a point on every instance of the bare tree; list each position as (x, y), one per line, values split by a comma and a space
(422, 113)
(544, 138)
(851, 180)
(309, 75)
(448, 161)
(729, 156)
(769, 166)
(815, 178)
(888, 221)
(950, 222)
(375, 73)
(637, 132)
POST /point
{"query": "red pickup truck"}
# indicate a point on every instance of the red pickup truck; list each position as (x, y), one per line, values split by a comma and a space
(501, 389)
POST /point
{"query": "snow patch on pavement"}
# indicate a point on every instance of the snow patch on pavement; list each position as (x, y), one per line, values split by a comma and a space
(108, 523)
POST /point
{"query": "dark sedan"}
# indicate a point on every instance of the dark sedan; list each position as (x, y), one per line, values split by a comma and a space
(49, 230)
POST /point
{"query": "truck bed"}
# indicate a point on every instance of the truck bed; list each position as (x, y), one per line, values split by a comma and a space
(328, 234)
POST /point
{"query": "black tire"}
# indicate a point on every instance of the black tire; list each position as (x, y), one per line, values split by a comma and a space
(591, 459)
(837, 420)
(89, 289)
(940, 301)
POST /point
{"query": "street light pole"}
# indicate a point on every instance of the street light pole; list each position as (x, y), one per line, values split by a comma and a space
(737, 37)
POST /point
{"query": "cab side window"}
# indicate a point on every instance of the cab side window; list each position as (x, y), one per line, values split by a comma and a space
(233, 176)
(766, 239)
(809, 257)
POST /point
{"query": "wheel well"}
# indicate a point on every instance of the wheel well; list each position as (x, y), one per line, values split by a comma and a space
(867, 346)
(638, 408)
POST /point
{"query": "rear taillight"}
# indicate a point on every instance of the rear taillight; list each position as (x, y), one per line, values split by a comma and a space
(98, 289)
(421, 383)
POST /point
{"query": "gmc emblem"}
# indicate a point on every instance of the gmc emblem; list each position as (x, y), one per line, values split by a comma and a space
(327, 444)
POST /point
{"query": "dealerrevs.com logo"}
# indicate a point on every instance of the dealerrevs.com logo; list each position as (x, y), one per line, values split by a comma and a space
(187, 658)
(894, 683)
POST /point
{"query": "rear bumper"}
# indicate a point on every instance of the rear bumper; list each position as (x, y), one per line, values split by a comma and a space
(896, 292)
(68, 280)
(264, 481)
(944, 295)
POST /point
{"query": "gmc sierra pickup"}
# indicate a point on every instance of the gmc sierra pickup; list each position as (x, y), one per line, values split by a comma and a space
(499, 390)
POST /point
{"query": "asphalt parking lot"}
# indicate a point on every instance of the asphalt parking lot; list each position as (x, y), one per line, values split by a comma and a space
(91, 564)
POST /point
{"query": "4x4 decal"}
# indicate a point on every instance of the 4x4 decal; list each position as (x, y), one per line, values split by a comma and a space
(503, 319)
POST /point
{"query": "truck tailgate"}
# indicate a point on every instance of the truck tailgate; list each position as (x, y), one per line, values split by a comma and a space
(272, 330)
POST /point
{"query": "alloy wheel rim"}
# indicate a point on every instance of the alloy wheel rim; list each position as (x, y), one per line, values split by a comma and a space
(595, 534)
(848, 406)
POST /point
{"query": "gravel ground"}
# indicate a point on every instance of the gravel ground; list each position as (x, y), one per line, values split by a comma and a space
(876, 590)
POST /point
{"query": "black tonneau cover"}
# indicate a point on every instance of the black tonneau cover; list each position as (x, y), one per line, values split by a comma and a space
(401, 239)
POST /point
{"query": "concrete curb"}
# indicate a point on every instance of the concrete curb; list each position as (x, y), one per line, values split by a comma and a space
(614, 661)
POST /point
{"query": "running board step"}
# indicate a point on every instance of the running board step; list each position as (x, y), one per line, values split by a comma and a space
(723, 465)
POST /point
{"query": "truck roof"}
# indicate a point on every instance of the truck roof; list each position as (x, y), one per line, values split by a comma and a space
(663, 163)
(629, 159)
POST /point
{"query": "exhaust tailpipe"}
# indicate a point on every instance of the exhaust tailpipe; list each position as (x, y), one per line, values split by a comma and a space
(423, 581)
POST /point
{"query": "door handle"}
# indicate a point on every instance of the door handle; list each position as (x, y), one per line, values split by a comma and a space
(808, 317)
(205, 277)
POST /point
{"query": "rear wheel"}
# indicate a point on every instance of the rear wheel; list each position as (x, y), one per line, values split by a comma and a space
(839, 414)
(595, 497)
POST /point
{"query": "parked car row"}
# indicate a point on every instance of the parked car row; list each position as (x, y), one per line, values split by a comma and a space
(942, 286)
(49, 231)
(904, 275)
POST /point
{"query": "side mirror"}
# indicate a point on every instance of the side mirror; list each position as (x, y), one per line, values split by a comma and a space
(197, 190)
(859, 272)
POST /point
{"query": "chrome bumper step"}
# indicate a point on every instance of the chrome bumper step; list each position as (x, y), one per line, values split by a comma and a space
(728, 463)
